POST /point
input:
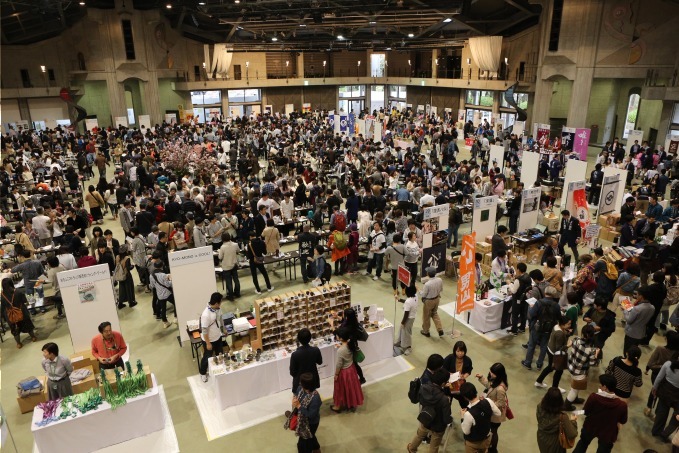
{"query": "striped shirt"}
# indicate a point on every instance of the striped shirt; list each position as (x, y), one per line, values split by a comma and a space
(627, 377)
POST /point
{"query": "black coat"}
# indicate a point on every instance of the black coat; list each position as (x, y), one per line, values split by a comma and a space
(304, 360)
(549, 251)
(570, 231)
(449, 364)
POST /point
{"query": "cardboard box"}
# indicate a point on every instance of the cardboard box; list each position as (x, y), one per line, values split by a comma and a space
(483, 247)
(89, 382)
(613, 235)
(83, 359)
(613, 219)
(602, 220)
(552, 223)
(27, 404)
(111, 377)
(603, 233)
(487, 259)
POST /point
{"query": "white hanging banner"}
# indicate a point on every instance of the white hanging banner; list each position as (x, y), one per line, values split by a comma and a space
(120, 121)
(634, 135)
(289, 108)
(91, 123)
(377, 131)
(518, 128)
(609, 194)
(88, 301)
(530, 164)
(530, 207)
(144, 122)
(484, 216)
(620, 193)
(193, 282)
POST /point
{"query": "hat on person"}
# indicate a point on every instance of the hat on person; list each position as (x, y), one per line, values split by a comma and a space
(353, 227)
(551, 291)
(431, 271)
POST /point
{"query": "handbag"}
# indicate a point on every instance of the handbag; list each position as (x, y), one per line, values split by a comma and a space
(359, 356)
(579, 384)
(560, 362)
(564, 441)
(291, 420)
(14, 314)
(509, 413)
(255, 258)
(362, 334)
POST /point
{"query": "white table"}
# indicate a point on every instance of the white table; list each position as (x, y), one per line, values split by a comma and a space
(102, 427)
(260, 379)
(486, 318)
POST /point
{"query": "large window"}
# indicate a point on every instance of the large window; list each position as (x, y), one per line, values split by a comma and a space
(397, 91)
(206, 97)
(479, 97)
(352, 91)
(243, 96)
(521, 100)
(632, 114)
(376, 97)
(377, 64)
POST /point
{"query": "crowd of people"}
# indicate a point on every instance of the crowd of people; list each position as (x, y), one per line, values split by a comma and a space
(252, 182)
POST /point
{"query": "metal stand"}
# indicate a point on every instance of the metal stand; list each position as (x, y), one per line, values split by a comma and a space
(455, 333)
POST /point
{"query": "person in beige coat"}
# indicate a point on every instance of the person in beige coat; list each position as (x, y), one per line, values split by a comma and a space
(271, 237)
(496, 391)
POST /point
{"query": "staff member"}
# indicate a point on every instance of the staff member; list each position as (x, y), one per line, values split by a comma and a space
(58, 369)
(570, 233)
(431, 296)
(109, 347)
(307, 243)
(211, 332)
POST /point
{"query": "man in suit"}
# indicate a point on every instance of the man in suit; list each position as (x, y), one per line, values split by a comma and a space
(627, 235)
(305, 360)
(628, 208)
(570, 233)
(553, 249)
(260, 220)
(498, 243)
(645, 226)
(596, 178)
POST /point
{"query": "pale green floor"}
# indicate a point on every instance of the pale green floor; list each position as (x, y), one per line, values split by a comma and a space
(385, 423)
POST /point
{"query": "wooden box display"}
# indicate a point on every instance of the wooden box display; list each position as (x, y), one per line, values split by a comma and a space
(279, 318)
(111, 376)
(89, 382)
(27, 404)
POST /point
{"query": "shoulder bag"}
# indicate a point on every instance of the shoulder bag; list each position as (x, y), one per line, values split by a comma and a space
(120, 272)
(256, 259)
(14, 314)
(564, 441)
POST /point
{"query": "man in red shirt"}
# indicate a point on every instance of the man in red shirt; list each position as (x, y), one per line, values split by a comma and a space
(604, 413)
(109, 347)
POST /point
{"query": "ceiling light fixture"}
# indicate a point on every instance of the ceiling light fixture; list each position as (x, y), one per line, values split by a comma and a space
(274, 39)
(168, 6)
(201, 3)
(82, 3)
(411, 35)
(302, 25)
(42, 68)
(388, 48)
(372, 22)
(447, 20)
(340, 37)
(236, 1)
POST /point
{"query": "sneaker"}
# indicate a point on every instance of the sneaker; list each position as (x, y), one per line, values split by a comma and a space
(204, 377)
(375, 278)
(441, 333)
(541, 385)
(133, 304)
(563, 391)
(365, 273)
(258, 292)
(539, 367)
(271, 289)
(522, 330)
(524, 346)
(526, 365)
(426, 334)
(166, 324)
(408, 351)
(158, 318)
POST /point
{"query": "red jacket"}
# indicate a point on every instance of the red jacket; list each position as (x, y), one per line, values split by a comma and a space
(603, 415)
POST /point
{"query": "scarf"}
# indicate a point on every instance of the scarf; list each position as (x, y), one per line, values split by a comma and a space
(303, 429)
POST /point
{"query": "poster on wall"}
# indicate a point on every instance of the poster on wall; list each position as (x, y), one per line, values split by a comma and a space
(673, 146)
(343, 123)
(91, 123)
(577, 203)
(171, 118)
(518, 128)
(144, 121)
(567, 138)
(466, 286)
(120, 121)
(633, 136)
(581, 142)
(86, 292)
(530, 204)
(306, 107)
(435, 220)
(289, 108)
(669, 138)
(609, 194)
(434, 256)
(542, 135)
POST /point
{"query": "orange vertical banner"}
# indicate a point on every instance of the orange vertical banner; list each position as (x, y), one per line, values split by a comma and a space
(466, 285)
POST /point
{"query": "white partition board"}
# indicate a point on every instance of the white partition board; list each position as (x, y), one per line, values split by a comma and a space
(610, 171)
(193, 282)
(144, 120)
(530, 164)
(120, 121)
(484, 216)
(497, 153)
(530, 207)
(576, 170)
(88, 301)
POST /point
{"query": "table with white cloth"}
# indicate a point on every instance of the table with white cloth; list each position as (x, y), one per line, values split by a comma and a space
(101, 427)
(260, 379)
(488, 314)
(404, 143)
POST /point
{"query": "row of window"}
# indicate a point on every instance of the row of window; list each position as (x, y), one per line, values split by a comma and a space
(484, 98)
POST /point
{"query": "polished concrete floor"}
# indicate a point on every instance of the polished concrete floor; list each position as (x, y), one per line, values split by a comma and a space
(385, 423)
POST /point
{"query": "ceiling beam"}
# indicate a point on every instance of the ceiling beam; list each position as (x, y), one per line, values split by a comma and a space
(511, 21)
(180, 21)
(233, 30)
(212, 36)
(62, 16)
(520, 5)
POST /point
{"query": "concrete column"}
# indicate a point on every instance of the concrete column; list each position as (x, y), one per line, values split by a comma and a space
(300, 65)
(541, 103)
(665, 120)
(582, 88)
(116, 97)
(608, 131)
(434, 66)
(150, 96)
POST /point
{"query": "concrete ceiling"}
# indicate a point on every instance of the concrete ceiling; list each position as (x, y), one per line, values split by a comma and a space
(285, 25)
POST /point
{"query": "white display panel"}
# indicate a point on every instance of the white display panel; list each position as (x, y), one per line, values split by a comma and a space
(88, 301)
(484, 216)
(497, 154)
(576, 170)
(610, 171)
(530, 164)
(193, 282)
(530, 208)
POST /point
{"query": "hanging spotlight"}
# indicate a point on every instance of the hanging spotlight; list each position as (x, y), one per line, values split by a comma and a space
(411, 35)
(168, 6)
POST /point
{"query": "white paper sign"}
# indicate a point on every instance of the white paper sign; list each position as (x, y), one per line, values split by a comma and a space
(85, 275)
(436, 211)
(485, 202)
(190, 256)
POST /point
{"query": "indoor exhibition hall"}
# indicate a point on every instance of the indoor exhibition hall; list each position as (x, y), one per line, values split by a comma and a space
(339, 226)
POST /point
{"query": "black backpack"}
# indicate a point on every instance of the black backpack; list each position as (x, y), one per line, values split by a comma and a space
(547, 318)
(327, 272)
(414, 390)
(427, 416)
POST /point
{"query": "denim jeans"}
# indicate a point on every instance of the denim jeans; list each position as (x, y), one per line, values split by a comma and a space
(30, 289)
(376, 261)
(537, 339)
(232, 283)
(452, 235)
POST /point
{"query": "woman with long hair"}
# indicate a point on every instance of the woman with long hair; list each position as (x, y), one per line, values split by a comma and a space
(350, 321)
(667, 393)
(581, 356)
(307, 402)
(557, 346)
(659, 356)
(15, 311)
(551, 420)
(126, 287)
(626, 371)
(96, 203)
(347, 393)
(496, 390)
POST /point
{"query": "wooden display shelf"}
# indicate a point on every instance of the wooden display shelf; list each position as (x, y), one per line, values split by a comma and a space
(279, 318)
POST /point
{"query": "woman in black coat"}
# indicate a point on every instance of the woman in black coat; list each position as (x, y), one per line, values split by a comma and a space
(12, 298)
(105, 256)
(458, 362)
(126, 287)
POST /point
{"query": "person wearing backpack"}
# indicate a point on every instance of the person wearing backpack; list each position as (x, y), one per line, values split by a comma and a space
(607, 275)
(378, 245)
(338, 244)
(396, 253)
(520, 286)
(435, 413)
(544, 314)
(476, 419)
(338, 220)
